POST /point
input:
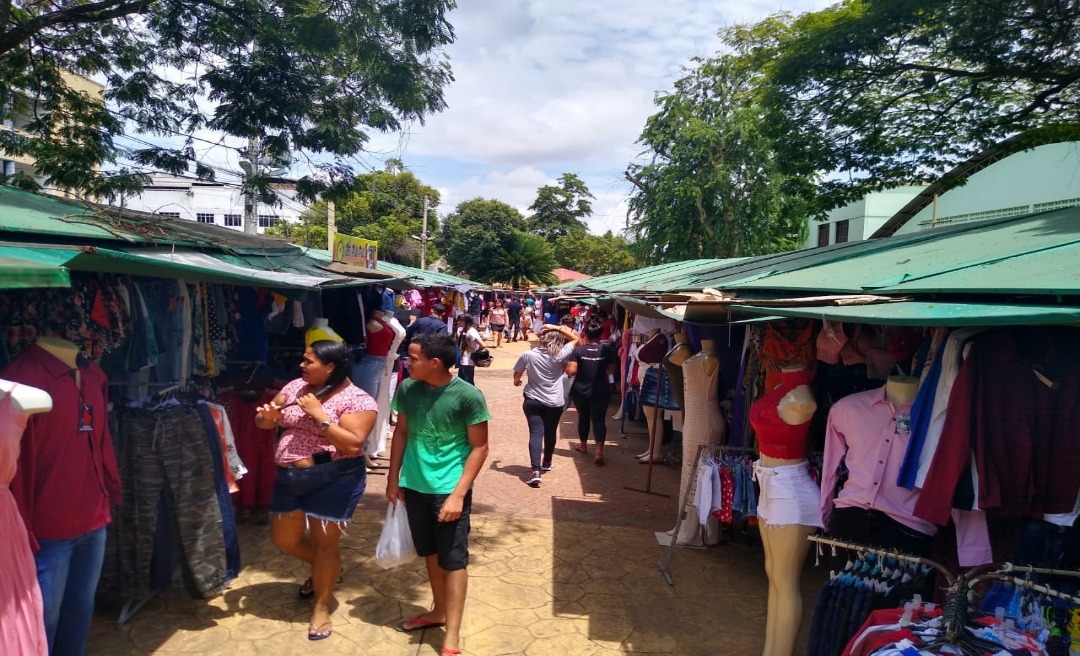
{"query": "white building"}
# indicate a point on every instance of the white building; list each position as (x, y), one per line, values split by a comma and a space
(1043, 178)
(211, 202)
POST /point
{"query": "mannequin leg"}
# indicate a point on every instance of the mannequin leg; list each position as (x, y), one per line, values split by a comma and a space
(785, 551)
(656, 434)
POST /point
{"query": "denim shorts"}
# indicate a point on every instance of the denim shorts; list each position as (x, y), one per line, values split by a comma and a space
(329, 491)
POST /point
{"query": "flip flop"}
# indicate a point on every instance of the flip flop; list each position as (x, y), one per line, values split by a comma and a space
(418, 623)
(579, 447)
(598, 461)
(319, 633)
(307, 589)
(449, 652)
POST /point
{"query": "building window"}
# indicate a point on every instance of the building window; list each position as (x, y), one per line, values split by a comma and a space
(267, 220)
(823, 234)
(841, 232)
(171, 215)
(204, 218)
(232, 221)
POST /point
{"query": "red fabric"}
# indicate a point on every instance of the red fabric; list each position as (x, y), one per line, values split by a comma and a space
(1022, 432)
(66, 478)
(726, 513)
(378, 342)
(787, 344)
(881, 638)
(777, 438)
(255, 447)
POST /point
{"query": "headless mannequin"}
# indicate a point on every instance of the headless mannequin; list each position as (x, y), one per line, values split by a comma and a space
(387, 385)
(652, 412)
(786, 545)
(64, 351)
(673, 361)
(704, 425)
(901, 390)
(320, 329)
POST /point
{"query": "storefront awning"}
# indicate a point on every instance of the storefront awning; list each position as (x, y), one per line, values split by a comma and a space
(26, 268)
(922, 313)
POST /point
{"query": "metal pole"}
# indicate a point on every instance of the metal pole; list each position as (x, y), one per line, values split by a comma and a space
(424, 238)
(665, 564)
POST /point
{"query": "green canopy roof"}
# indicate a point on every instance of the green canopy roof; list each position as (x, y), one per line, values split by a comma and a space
(923, 313)
(418, 277)
(27, 268)
(660, 278)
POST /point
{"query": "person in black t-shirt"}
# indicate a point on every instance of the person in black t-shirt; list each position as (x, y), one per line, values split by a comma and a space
(513, 314)
(592, 365)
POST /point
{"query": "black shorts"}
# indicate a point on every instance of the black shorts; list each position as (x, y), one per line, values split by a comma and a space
(449, 540)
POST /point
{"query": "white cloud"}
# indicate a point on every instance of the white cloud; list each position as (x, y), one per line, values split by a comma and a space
(515, 187)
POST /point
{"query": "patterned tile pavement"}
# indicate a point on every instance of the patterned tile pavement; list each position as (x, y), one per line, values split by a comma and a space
(569, 568)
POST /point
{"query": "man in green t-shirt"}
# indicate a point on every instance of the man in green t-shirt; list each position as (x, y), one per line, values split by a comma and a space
(440, 443)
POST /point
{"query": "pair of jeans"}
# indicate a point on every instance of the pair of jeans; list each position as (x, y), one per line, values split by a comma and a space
(467, 373)
(367, 374)
(543, 431)
(221, 487)
(591, 411)
(68, 572)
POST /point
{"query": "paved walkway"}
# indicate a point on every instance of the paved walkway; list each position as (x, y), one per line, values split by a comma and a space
(569, 568)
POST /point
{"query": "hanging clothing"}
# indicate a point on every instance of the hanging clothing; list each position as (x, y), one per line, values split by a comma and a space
(776, 437)
(789, 344)
(20, 597)
(255, 447)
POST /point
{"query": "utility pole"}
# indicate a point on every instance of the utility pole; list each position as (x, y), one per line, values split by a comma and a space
(331, 227)
(424, 239)
(250, 202)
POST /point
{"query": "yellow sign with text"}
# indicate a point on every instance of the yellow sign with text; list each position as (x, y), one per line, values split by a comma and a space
(356, 251)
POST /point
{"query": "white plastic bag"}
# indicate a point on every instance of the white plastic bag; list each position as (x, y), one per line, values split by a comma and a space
(395, 546)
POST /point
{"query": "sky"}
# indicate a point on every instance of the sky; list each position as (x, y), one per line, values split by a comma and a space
(544, 87)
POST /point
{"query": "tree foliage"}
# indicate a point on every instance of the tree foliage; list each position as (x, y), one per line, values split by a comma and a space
(528, 260)
(476, 232)
(559, 209)
(312, 230)
(893, 92)
(596, 255)
(309, 76)
(388, 206)
(713, 185)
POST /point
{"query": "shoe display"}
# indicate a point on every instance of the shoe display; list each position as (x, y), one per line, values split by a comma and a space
(535, 480)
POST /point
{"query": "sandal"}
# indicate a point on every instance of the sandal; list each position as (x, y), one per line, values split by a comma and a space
(319, 633)
(449, 652)
(579, 447)
(418, 623)
(598, 460)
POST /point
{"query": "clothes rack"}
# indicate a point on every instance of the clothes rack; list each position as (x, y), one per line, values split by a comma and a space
(888, 553)
(665, 565)
(658, 419)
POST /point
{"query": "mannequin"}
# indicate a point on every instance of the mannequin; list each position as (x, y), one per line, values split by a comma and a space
(654, 401)
(66, 482)
(320, 329)
(20, 596)
(673, 362)
(387, 384)
(787, 513)
(704, 424)
(870, 431)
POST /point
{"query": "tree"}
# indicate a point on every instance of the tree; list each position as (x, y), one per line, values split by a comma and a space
(713, 185)
(388, 206)
(596, 255)
(312, 230)
(528, 260)
(310, 76)
(559, 209)
(894, 92)
(476, 232)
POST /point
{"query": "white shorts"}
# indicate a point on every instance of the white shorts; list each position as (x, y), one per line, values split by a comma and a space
(788, 495)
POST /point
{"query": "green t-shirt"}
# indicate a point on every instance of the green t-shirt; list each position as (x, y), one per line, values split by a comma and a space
(438, 421)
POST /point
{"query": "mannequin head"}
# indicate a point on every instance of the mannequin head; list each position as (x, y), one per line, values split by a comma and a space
(797, 406)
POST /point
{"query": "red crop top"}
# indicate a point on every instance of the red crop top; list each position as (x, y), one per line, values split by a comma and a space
(777, 438)
(378, 342)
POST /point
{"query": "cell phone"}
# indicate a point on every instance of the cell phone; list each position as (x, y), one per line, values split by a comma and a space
(322, 457)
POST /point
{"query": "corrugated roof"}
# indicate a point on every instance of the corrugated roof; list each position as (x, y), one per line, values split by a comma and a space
(420, 277)
(654, 279)
(925, 313)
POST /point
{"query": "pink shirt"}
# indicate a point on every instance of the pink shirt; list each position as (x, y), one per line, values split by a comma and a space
(862, 432)
(300, 437)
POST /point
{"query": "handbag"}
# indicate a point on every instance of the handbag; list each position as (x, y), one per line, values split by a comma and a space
(481, 358)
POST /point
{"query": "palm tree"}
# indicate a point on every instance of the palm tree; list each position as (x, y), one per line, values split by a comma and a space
(530, 260)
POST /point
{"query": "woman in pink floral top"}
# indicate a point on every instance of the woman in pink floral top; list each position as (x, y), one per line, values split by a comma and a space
(324, 421)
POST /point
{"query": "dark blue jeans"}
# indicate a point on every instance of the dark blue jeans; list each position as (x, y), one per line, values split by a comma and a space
(543, 431)
(68, 572)
(467, 373)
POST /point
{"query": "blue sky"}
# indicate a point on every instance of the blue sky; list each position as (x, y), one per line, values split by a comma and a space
(544, 87)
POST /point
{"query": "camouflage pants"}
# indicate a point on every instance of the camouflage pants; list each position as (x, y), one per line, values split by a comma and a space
(164, 451)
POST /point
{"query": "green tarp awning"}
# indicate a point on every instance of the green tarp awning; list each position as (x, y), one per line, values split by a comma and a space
(925, 313)
(26, 268)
